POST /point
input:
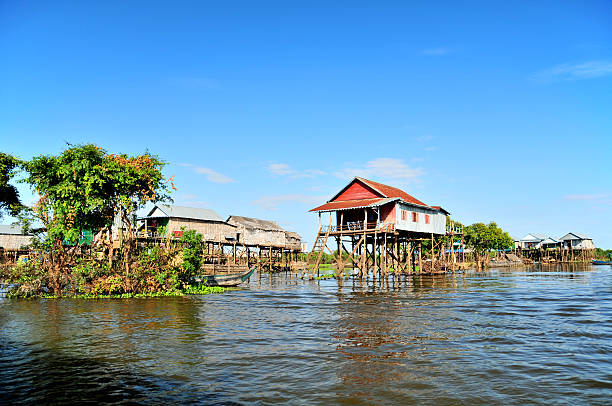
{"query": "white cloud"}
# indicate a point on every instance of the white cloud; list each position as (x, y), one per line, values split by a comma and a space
(272, 202)
(576, 71)
(588, 197)
(425, 138)
(437, 51)
(386, 168)
(211, 175)
(286, 170)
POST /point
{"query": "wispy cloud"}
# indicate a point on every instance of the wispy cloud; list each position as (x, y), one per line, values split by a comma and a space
(589, 197)
(272, 202)
(193, 82)
(286, 170)
(384, 168)
(574, 71)
(425, 138)
(191, 200)
(437, 51)
(210, 174)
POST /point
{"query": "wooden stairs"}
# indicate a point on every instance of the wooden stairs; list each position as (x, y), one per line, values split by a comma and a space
(317, 250)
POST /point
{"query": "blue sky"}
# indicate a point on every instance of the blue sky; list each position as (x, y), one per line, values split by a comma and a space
(496, 110)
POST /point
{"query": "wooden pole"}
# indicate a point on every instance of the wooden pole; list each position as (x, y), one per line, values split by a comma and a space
(420, 257)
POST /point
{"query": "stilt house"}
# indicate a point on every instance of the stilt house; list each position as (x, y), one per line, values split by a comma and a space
(367, 205)
(293, 241)
(252, 231)
(577, 241)
(205, 221)
(531, 241)
(13, 238)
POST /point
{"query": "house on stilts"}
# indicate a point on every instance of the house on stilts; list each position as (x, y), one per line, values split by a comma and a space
(379, 228)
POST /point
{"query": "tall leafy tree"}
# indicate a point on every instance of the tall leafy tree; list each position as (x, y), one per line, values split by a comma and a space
(84, 188)
(9, 195)
(486, 237)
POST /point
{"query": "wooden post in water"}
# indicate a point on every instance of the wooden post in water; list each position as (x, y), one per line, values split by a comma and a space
(420, 256)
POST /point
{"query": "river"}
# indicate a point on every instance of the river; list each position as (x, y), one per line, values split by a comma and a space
(505, 336)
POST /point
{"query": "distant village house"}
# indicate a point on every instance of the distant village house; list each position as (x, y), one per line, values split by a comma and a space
(12, 237)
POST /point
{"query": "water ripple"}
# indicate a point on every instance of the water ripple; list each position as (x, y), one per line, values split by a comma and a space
(538, 336)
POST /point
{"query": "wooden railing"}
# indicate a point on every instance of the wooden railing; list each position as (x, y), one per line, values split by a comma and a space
(353, 226)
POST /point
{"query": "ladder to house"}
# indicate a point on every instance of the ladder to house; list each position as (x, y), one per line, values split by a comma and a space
(318, 248)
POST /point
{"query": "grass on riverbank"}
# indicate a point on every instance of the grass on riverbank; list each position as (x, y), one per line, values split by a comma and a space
(199, 289)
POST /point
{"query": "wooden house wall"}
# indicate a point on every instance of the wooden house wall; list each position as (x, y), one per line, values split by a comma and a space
(580, 244)
(210, 230)
(388, 213)
(14, 242)
(357, 191)
(437, 223)
(254, 236)
(293, 243)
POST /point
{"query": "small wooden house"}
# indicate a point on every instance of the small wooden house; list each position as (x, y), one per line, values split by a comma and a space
(550, 243)
(205, 221)
(13, 238)
(293, 241)
(531, 241)
(364, 204)
(252, 231)
(577, 241)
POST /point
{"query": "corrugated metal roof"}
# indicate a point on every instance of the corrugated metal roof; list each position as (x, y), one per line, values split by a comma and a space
(352, 204)
(533, 237)
(11, 229)
(550, 240)
(389, 194)
(578, 236)
(194, 213)
(390, 191)
(253, 223)
(439, 208)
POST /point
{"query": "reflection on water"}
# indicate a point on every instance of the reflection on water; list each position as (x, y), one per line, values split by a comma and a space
(505, 336)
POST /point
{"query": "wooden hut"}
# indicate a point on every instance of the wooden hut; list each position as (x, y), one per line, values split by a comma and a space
(256, 232)
(531, 241)
(550, 243)
(364, 204)
(293, 241)
(13, 238)
(384, 226)
(577, 241)
(174, 218)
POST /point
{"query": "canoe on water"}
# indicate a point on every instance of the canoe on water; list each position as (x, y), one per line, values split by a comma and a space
(229, 279)
(596, 262)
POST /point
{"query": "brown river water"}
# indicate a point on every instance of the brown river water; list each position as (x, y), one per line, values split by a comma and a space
(505, 336)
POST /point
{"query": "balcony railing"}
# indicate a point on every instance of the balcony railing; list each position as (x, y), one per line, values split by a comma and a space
(353, 226)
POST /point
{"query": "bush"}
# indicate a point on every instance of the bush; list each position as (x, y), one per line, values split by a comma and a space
(193, 249)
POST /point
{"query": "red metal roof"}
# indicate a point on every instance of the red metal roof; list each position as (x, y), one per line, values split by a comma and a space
(349, 204)
(390, 191)
(387, 192)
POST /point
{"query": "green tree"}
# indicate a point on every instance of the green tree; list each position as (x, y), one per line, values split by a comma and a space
(486, 237)
(9, 195)
(193, 249)
(82, 189)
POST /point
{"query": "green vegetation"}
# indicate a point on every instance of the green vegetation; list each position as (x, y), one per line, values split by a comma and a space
(82, 192)
(483, 238)
(603, 254)
(326, 276)
(9, 196)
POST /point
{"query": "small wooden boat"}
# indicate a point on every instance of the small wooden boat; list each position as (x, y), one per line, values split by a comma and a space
(596, 262)
(228, 279)
(5, 289)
